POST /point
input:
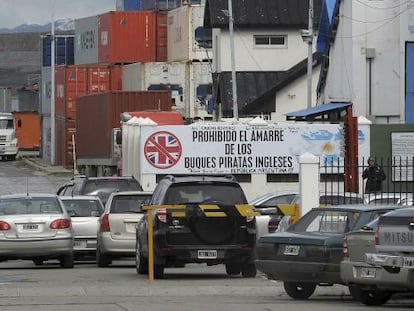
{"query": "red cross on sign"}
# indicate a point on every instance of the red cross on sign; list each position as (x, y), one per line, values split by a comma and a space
(162, 150)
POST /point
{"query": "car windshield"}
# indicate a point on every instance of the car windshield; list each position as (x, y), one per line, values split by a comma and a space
(326, 221)
(129, 203)
(82, 208)
(104, 187)
(29, 205)
(218, 193)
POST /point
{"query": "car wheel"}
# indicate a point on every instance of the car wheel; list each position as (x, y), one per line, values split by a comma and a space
(355, 292)
(140, 261)
(248, 270)
(299, 291)
(102, 260)
(233, 268)
(158, 271)
(374, 297)
(67, 261)
(38, 262)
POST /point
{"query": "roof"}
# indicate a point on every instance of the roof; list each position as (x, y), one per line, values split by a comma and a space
(328, 112)
(254, 88)
(261, 13)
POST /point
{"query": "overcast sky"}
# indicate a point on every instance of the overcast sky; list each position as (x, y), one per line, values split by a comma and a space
(16, 12)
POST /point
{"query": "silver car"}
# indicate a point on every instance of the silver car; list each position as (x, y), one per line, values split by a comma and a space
(35, 227)
(84, 211)
(116, 235)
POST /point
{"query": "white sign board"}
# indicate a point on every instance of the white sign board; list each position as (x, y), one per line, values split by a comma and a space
(237, 149)
(402, 148)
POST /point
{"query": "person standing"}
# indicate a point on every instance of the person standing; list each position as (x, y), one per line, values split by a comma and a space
(374, 174)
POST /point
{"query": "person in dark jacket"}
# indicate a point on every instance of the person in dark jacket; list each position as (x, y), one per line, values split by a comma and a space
(374, 174)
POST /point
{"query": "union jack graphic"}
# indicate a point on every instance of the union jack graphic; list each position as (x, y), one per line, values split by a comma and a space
(162, 150)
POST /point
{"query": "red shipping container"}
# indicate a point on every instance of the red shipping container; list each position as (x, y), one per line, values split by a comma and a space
(79, 80)
(127, 37)
(27, 129)
(98, 114)
(71, 82)
(65, 129)
(162, 39)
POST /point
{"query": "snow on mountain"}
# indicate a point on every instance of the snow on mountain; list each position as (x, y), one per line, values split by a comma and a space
(60, 25)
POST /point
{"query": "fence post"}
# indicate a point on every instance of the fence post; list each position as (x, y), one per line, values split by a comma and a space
(309, 177)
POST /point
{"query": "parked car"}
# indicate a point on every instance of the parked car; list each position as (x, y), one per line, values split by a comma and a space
(355, 272)
(116, 234)
(391, 264)
(35, 226)
(99, 186)
(268, 205)
(211, 228)
(388, 198)
(84, 210)
(309, 252)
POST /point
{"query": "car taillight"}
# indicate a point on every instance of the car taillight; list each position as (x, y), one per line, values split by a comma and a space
(63, 223)
(104, 227)
(345, 247)
(4, 226)
(162, 214)
(377, 236)
(273, 224)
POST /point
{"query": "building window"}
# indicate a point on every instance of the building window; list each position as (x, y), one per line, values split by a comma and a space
(270, 41)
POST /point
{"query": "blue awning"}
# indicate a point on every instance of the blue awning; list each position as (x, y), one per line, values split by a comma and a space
(324, 112)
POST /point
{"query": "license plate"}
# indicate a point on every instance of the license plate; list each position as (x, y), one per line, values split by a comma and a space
(207, 254)
(30, 227)
(80, 244)
(368, 273)
(408, 262)
(291, 250)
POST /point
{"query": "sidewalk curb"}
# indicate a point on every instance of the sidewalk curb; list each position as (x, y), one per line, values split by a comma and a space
(49, 169)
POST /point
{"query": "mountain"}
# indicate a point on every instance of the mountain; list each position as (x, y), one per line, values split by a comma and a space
(60, 25)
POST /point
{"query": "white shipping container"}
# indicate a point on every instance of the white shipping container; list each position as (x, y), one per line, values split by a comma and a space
(182, 25)
(86, 40)
(190, 83)
(45, 90)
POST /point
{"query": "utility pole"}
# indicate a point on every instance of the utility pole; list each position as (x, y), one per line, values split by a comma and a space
(52, 93)
(310, 60)
(233, 63)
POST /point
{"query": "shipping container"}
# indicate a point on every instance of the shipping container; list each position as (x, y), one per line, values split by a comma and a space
(167, 4)
(188, 40)
(86, 40)
(127, 36)
(128, 5)
(190, 84)
(64, 49)
(65, 135)
(162, 37)
(45, 151)
(5, 99)
(78, 80)
(27, 129)
(45, 90)
(28, 98)
(98, 114)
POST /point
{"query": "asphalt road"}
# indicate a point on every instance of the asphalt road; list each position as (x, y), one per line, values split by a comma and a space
(26, 287)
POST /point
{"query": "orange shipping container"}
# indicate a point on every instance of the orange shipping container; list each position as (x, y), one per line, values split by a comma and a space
(127, 37)
(27, 129)
(65, 129)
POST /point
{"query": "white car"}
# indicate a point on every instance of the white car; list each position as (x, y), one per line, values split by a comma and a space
(35, 226)
(116, 235)
(84, 211)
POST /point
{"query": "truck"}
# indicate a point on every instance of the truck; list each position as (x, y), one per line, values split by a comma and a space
(391, 264)
(98, 122)
(8, 139)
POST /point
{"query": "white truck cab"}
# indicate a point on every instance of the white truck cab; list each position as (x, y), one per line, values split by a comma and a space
(8, 139)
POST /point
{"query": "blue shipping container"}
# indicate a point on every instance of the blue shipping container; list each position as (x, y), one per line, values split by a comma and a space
(128, 5)
(64, 50)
